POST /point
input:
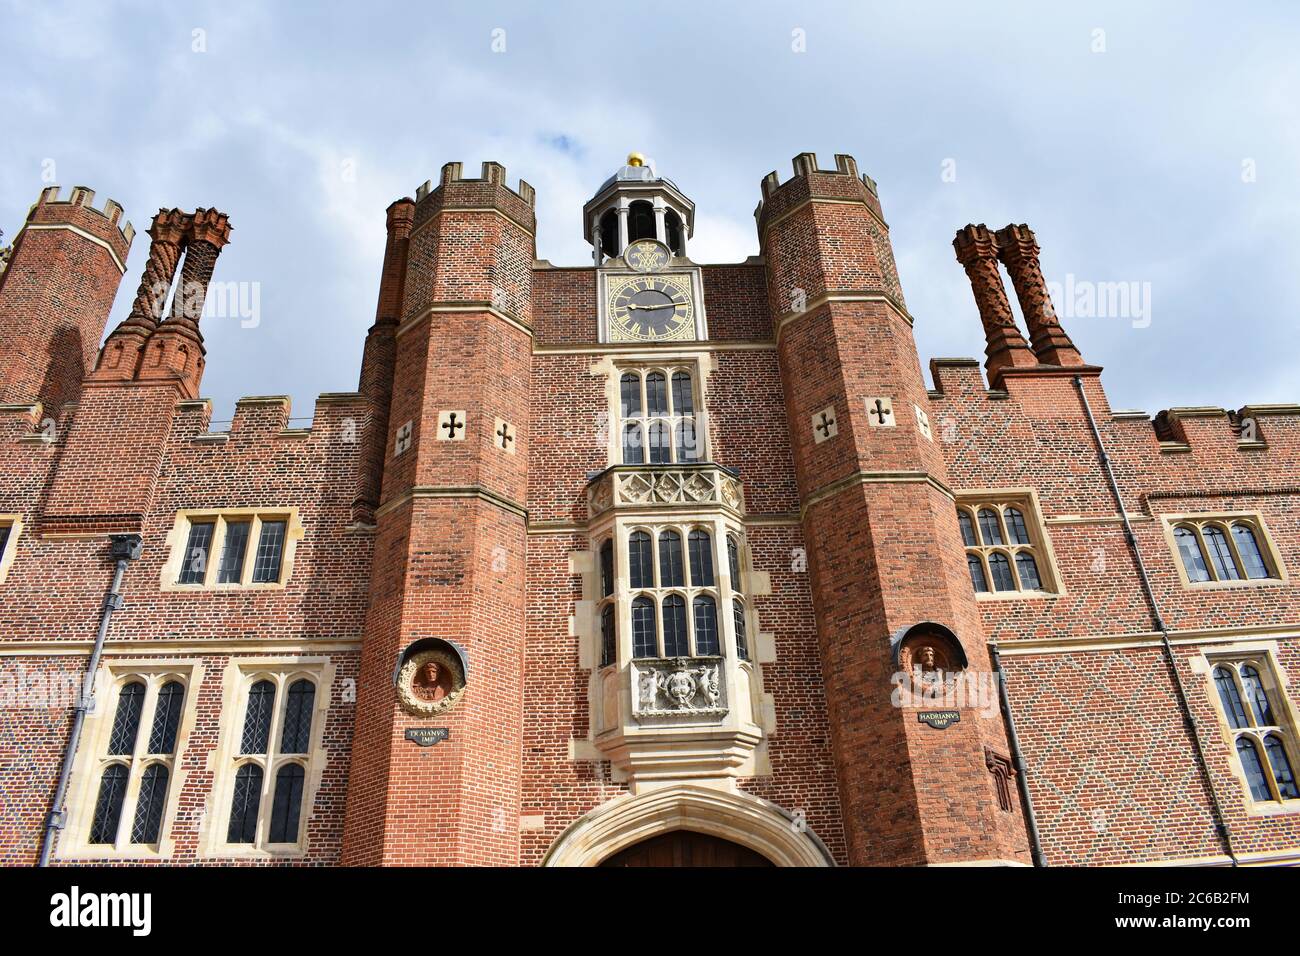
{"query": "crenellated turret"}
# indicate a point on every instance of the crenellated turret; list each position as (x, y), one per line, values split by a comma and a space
(448, 578)
(889, 581)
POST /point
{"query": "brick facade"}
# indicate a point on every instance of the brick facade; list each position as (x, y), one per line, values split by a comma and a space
(406, 529)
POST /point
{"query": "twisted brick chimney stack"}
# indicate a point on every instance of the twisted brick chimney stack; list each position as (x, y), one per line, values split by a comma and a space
(1018, 250)
(977, 251)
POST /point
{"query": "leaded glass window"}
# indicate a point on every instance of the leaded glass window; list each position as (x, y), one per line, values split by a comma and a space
(233, 551)
(270, 551)
(287, 803)
(701, 553)
(194, 563)
(644, 641)
(126, 721)
(150, 804)
(738, 621)
(675, 642)
(257, 718)
(166, 718)
(1005, 550)
(108, 806)
(296, 736)
(1258, 723)
(659, 423)
(706, 626)
(244, 804)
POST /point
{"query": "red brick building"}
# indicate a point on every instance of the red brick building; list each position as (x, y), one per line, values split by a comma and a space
(642, 562)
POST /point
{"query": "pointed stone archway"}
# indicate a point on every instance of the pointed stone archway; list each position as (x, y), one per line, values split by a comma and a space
(756, 825)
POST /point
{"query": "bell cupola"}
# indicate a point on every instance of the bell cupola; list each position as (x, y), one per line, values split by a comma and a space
(633, 204)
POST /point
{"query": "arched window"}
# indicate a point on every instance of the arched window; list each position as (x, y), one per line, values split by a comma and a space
(607, 568)
(286, 805)
(701, 549)
(244, 804)
(733, 561)
(640, 566)
(706, 626)
(296, 737)
(644, 643)
(1255, 778)
(671, 574)
(1016, 529)
(1229, 697)
(257, 718)
(675, 642)
(661, 443)
(633, 444)
(1256, 720)
(1000, 569)
(126, 721)
(149, 805)
(657, 411)
(688, 446)
(1189, 549)
(683, 394)
(1282, 774)
(656, 394)
(166, 719)
(640, 221)
(630, 395)
(738, 621)
(673, 232)
(1256, 697)
(1252, 558)
(1003, 554)
(609, 234)
(608, 644)
(108, 808)
(1216, 542)
(1028, 568)
(967, 528)
(990, 528)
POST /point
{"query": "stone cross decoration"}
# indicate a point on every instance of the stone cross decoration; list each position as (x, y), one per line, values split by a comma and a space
(403, 439)
(451, 426)
(880, 412)
(824, 425)
(505, 437)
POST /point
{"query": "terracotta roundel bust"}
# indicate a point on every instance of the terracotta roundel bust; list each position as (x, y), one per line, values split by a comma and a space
(430, 683)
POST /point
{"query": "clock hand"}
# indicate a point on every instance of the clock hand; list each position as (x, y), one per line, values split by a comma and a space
(633, 305)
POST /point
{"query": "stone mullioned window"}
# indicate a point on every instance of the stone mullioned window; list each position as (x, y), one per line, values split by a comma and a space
(1007, 550)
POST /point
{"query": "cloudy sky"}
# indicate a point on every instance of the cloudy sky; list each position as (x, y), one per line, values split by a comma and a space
(1158, 146)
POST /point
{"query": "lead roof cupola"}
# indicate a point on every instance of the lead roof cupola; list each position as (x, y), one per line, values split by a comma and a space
(636, 203)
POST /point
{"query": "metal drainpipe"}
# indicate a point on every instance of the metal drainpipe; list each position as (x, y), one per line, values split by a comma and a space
(125, 548)
(1022, 774)
(1189, 720)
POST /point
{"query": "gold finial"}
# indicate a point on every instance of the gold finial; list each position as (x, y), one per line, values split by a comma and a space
(635, 159)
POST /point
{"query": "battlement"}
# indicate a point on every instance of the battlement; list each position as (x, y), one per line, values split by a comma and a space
(49, 208)
(492, 173)
(844, 182)
(1177, 429)
(338, 417)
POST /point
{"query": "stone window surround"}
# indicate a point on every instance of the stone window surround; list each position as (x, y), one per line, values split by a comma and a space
(1224, 519)
(14, 522)
(1263, 656)
(1040, 542)
(624, 594)
(239, 676)
(92, 757)
(178, 540)
(673, 417)
(612, 367)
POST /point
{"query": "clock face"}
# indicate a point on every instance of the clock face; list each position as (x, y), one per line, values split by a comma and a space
(649, 308)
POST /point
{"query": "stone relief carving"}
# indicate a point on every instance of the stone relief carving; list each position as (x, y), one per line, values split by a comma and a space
(430, 683)
(683, 686)
(659, 486)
